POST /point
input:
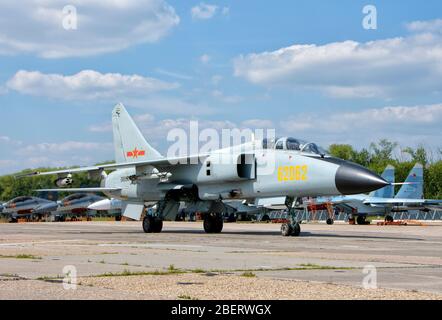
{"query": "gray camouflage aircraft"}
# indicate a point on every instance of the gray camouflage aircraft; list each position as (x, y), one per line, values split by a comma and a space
(75, 204)
(29, 207)
(259, 168)
(383, 202)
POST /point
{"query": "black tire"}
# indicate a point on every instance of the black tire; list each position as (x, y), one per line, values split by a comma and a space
(296, 230)
(265, 218)
(361, 220)
(286, 229)
(148, 224)
(330, 221)
(157, 225)
(389, 218)
(219, 223)
(13, 220)
(213, 223)
(118, 218)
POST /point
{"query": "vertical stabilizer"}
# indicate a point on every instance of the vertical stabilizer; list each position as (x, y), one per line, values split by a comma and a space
(129, 143)
(414, 189)
(387, 191)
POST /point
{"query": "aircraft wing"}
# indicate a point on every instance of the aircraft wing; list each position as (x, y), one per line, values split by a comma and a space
(158, 163)
(98, 189)
(394, 201)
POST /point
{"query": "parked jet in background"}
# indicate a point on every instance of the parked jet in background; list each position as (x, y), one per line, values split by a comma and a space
(75, 204)
(30, 207)
(141, 174)
(409, 197)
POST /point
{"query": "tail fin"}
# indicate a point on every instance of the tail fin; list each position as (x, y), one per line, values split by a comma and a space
(414, 190)
(129, 143)
(387, 191)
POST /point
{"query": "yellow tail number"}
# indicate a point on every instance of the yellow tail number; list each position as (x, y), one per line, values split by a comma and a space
(292, 173)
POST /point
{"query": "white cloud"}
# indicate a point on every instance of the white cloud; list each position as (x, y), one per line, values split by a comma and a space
(203, 11)
(353, 69)
(85, 85)
(225, 11)
(205, 58)
(258, 124)
(226, 98)
(173, 74)
(426, 26)
(36, 27)
(64, 147)
(405, 124)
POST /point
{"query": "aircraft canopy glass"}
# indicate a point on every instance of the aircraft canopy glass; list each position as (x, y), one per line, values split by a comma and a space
(21, 199)
(289, 143)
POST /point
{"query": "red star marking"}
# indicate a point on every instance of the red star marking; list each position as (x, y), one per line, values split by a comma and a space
(135, 153)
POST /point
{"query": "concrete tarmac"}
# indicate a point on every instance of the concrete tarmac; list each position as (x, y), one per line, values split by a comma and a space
(403, 257)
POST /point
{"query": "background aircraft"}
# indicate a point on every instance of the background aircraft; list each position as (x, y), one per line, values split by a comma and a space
(75, 205)
(30, 207)
(383, 203)
(298, 169)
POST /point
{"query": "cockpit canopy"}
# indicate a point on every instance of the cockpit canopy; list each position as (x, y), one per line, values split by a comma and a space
(21, 199)
(289, 143)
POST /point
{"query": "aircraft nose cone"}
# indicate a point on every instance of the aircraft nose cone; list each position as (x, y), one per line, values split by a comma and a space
(352, 178)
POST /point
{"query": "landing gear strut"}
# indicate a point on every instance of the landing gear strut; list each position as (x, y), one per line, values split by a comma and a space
(213, 223)
(152, 224)
(291, 228)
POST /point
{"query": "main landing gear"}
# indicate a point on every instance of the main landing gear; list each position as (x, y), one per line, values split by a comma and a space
(213, 223)
(152, 224)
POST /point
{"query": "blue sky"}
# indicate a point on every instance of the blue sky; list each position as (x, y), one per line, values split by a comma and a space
(306, 68)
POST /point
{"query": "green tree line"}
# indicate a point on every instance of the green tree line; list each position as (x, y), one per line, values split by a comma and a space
(380, 154)
(376, 157)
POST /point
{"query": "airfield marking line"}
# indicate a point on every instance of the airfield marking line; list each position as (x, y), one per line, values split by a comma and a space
(37, 242)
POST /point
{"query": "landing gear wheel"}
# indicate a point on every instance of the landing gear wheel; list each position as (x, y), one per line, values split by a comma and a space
(148, 224)
(296, 230)
(330, 221)
(118, 218)
(13, 220)
(157, 225)
(286, 229)
(213, 223)
(389, 218)
(360, 220)
(152, 224)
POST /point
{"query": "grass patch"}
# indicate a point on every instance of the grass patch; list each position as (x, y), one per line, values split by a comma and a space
(126, 273)
(21, 256)
(248, 274)
(197, 271)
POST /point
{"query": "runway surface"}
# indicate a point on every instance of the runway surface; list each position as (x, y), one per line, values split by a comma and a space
(33, 255)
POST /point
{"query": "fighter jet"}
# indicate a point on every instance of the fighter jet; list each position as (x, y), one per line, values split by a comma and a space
(141, 174)
(29, 207)
(382, 202)
(75, 204)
